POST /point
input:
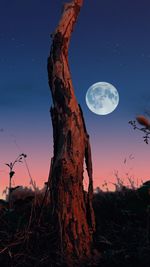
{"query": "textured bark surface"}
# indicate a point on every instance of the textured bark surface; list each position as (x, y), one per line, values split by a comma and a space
(72, 208)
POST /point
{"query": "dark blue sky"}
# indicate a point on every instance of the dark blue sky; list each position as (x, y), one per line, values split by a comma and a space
(111, 43)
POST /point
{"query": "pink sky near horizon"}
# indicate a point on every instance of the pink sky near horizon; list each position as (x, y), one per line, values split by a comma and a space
(108, 158)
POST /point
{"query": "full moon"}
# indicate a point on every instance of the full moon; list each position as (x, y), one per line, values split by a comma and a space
(102, 98)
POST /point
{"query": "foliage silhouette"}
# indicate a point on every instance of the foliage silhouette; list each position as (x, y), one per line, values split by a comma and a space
(142, 120)
(11, 166)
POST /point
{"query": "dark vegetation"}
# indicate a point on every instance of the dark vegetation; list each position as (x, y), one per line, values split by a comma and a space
(122, 236)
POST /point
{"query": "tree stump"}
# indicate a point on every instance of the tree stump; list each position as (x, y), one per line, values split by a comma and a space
(73, 215)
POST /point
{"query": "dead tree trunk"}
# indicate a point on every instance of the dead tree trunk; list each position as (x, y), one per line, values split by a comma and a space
(72, 208)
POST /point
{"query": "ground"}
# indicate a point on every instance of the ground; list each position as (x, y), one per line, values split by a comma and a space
(122, 235)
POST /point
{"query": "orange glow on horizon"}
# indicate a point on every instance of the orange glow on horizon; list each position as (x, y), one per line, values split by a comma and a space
(108, 156)
(138, 171)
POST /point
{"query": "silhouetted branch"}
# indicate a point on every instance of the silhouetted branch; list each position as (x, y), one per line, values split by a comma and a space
(12, 172)
(146, 129)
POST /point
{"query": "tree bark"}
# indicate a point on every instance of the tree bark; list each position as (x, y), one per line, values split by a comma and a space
(72, 207)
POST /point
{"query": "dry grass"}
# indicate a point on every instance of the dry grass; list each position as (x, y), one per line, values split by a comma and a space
(122, 235)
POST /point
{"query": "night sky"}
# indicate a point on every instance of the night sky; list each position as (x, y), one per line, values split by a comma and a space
(111, 43)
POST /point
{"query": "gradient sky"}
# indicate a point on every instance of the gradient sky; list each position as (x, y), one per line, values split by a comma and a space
(111, 42)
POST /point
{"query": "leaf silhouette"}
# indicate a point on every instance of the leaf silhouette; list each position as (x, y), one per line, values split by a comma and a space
(11, 174)
(7, 165)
